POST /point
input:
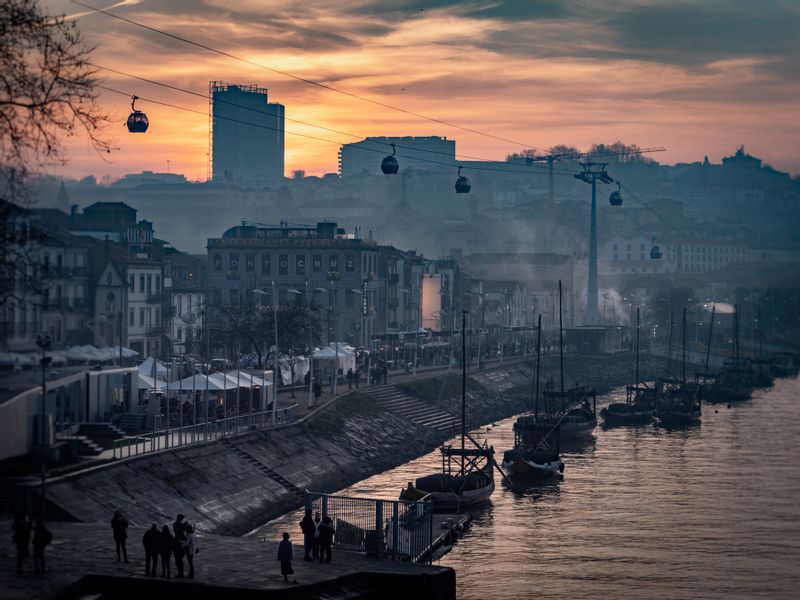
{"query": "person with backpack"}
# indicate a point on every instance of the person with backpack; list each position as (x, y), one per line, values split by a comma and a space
(150, 541)
(119, 525)
(326, 532)
(41, 539)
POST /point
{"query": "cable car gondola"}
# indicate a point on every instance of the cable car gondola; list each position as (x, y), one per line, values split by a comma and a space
(137, 120)
(389, 164)
(655, 251)
(615, 199)
(463, 185)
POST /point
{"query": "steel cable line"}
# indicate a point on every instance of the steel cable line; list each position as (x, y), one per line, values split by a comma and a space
(542, 168)
(299, 78)
(320, 139)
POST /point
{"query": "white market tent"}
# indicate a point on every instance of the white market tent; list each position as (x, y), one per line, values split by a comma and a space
(147, 383)
(347, 356)
(248, 379)
(196, 382)
(146, 368)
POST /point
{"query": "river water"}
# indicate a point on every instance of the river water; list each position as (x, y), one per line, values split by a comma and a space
(643, 512)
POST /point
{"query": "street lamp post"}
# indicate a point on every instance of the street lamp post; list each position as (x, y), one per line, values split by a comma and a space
(275, 357)
(44, 343)
(310, 346)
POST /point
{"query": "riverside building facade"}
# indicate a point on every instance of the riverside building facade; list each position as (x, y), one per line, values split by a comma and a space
(362, 289)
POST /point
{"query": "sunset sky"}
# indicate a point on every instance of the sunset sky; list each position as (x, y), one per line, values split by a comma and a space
(698, 77)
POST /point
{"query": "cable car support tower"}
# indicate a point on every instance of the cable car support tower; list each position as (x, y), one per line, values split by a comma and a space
(592, 173)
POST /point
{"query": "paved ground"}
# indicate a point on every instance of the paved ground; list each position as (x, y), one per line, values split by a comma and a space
(81, 548)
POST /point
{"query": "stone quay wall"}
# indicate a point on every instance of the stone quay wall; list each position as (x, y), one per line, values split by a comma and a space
(232, 486)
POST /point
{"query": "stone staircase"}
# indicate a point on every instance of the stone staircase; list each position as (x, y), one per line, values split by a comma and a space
(101, 434)
(413, 409)
(82, 444)
(266, 470)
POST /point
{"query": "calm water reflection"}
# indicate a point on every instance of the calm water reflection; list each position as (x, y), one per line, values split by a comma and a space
(712, 511)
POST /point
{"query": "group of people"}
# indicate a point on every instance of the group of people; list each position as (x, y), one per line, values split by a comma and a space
(378, 372)
(318, 535)
(22, 528)
(180, 543)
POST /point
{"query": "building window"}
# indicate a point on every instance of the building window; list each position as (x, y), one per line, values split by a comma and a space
(350, 263)
(158, 283)
(266, 264)
(141, 317)
(131, 318)
(250, 262)
(233, 296)
(300, 264)
(141, 284)
(132, 284)
(180, 333)
(180, 305)
(333, 262)
(218, 262)
(317, 263)
(283, 264)
(149, 284)
(233, 261)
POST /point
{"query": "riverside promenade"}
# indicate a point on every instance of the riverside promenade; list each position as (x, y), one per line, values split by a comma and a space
(223, 565)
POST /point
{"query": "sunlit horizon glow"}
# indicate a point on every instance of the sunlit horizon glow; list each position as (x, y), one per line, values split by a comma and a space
(699, 78)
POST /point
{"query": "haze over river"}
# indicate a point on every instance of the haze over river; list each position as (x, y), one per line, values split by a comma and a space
(643, 512)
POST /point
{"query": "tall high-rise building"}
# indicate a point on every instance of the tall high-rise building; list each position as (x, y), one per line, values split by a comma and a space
(247, 133)
(428, 153)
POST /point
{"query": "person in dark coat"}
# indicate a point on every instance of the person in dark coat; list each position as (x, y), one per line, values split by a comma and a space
(326, 532)
(349, 379)
(41, 538)
(307, 380)
(150, 541)
(166, 546)
(179, 532)
(309, 528)
(317, 390)
(119, 526)
(317, 523)
(285, 555)
(21, 536)
(356, 376)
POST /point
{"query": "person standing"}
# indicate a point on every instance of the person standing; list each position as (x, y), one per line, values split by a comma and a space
(317, 390)
(190, 548)
(285, 556)
(21, 537)
(349, 379)
(308, 528)
(317, 523)
(150, 541)
(119, 525)
(166, 546)
(307, 380)
(357, 376)
(179, 532)
(326, 532)
(41, 538)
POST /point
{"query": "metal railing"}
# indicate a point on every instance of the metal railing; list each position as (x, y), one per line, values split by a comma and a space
(393, 529)
(188, 435)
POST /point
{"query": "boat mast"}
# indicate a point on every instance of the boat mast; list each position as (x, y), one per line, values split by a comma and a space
(463, 384)
(669, 343)
(683, 363)
(636, 384)
(710, 333)
(538, 362)
(561, 344)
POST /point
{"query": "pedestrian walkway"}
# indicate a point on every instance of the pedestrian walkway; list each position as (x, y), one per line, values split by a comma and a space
(81, 548)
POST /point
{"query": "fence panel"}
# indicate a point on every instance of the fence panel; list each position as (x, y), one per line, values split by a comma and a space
(393, 529)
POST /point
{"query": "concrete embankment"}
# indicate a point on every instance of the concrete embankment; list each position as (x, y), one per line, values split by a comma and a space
(230, 487)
